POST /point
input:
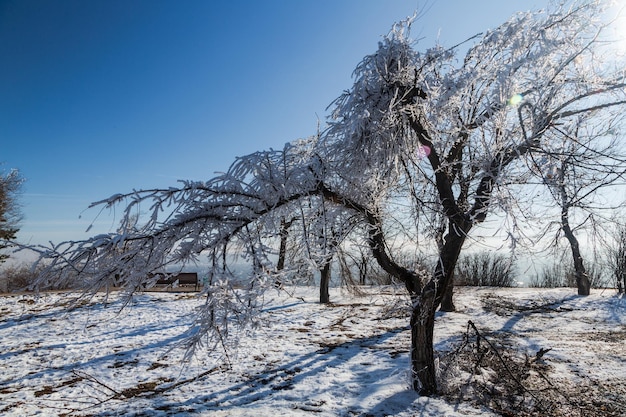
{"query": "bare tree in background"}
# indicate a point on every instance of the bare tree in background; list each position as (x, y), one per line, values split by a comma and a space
(617, 258)
(325, 228)
(420, 136)
(575, 172)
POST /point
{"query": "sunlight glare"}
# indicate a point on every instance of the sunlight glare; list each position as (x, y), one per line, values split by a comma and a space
(515, 100)
(423, 151)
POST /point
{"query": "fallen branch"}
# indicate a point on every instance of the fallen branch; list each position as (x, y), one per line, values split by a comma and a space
(504, 363)
(161, 390)
(145, 389)
(96, 381)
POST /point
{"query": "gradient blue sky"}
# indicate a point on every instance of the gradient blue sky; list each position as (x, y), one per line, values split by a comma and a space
(102, 96)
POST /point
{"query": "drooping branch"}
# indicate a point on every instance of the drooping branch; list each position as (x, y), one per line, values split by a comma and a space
(376, 240)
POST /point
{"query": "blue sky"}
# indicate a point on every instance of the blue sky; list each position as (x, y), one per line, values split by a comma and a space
(100, 97)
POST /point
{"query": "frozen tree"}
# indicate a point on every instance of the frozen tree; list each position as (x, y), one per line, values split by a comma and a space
(10, 185)
(283, 234)
(423, 144)
(419, 123)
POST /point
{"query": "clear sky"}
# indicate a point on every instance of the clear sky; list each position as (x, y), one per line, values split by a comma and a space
(102, 96)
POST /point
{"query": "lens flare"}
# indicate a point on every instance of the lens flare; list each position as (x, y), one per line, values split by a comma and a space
(515, 100)
(423, 151)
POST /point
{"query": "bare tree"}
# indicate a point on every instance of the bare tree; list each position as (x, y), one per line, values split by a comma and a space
(355, 259)
(575, 172)
(423, 141)
(324, 229)
(617, 258)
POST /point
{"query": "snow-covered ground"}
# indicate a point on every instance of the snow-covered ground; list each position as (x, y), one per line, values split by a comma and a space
(346, 359)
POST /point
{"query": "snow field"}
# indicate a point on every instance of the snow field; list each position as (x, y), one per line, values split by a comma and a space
(350, 358)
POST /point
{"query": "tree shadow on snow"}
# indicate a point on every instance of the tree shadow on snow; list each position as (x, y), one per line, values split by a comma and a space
(305, 374)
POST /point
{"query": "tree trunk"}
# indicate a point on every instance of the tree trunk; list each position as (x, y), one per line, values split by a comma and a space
(583, 283)
(447, 303)
(282, 250)
(423, 369)
(425, 304)
(363, 270)
(582, 279)
(324, 283)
